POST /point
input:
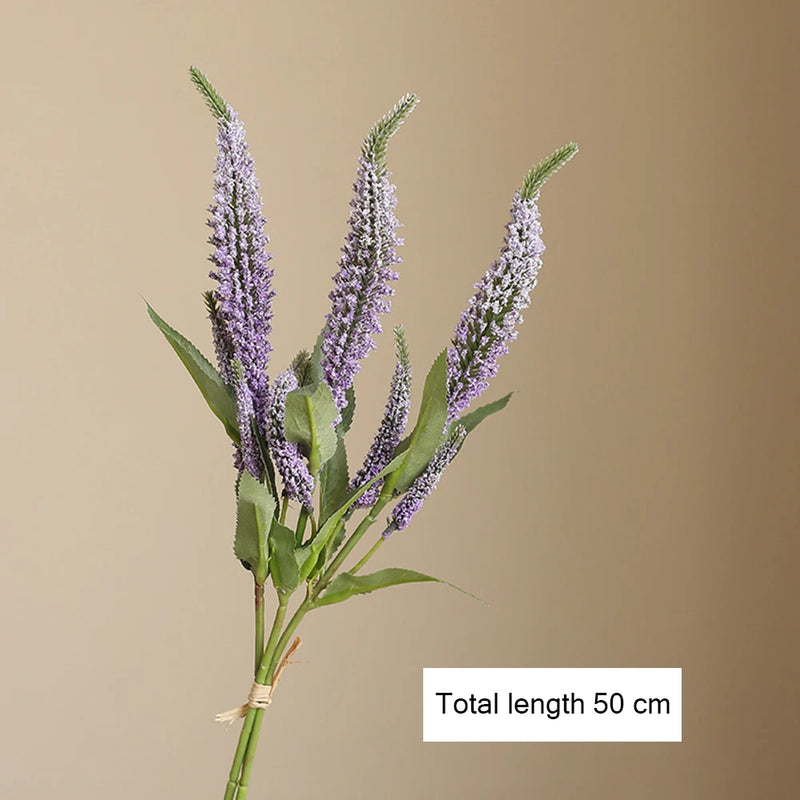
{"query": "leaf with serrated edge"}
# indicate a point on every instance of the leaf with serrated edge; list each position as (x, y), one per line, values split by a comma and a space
(218, 395)
(282, 559)
(310, 413)
(420, 446)
(255, 508)
(345, 585)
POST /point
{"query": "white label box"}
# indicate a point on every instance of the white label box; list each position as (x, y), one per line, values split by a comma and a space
(568, 704)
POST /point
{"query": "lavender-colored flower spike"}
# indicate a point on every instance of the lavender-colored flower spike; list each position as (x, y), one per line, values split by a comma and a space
(362, 286)
(490, 321)
(392, 425)
(415, 496)
(241, 262)
(248, 455)
(298, 482)
(223, 346)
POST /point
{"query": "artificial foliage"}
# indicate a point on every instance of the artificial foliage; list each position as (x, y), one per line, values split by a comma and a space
(301, 511)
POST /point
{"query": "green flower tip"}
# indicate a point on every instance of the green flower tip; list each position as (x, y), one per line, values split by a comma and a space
(540, 173)
(214, 100)
(401, 346)
(374, 148)
(303, 368)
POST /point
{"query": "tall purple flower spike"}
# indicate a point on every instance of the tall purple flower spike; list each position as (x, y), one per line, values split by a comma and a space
(298, 483)
(495, 310)
(362, 286)
(423, 485)
(392, 425)
(361, 290)
(242, 322)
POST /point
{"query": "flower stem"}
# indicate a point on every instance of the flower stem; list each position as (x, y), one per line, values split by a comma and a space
(247, 727)
(301, 525)
(368, 556)
(349, 545)
(259, 606)
(267, 668)
(242, 767)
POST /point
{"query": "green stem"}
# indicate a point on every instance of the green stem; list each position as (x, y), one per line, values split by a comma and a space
(247, 727)
(267, 668)
(368, 556)
(259, 602)
(248, 739)
(349, 545)
(301, 526)
(284, 509)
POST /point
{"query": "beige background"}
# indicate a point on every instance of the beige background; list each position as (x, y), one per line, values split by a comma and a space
(636, 505)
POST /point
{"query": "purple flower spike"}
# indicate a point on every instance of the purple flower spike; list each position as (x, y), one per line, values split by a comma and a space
(248, 455)
(415, 496)
(223, 346)
(392, 425)
(362, 286)
(490, 321)
(298, 483)
(241, 262)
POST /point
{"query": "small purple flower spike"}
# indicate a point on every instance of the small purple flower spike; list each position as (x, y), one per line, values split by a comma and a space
(495, 310)
(415, 496)
(392, 425)
(490, 321)
(298, 483)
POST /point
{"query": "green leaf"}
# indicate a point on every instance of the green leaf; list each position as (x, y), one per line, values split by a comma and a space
(311, 552)
(219, 396)
(282, 558)
(317, 375)
(541, 172)
(348, 412)
(428, 433)
(334, 480)
(474, 418)
(255, 509)
(310, 413)
(345, 585)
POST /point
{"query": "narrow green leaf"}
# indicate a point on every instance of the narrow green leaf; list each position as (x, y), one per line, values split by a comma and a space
(346, 585)
(282, 558)
(317, 375)
(474, 418)
(310, 413)
(311, 552)
(219, 396)
(334, 480)
(348, 412)
(541, 172)
(428, 433)
(255, 509)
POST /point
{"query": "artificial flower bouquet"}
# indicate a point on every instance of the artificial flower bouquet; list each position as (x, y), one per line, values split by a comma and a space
(300, 513)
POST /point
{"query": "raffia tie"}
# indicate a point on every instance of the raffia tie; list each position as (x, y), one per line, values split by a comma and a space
(260, 693)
